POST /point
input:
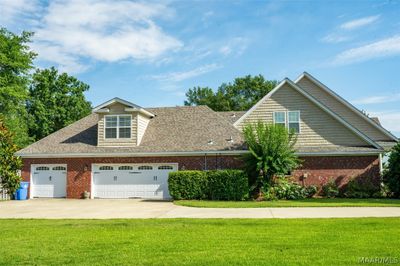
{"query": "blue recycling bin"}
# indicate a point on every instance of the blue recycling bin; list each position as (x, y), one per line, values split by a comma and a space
(22, 192)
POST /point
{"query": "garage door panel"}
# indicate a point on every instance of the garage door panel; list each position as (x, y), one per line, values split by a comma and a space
(49, 181)
(134, 181)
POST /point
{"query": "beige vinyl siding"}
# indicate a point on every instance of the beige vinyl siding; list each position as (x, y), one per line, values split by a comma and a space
(317, 128)
(342, 110)
(141, 128)
(117, 109)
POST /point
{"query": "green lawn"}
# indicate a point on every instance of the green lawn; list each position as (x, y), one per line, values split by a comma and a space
(198, 241)
(292, 203)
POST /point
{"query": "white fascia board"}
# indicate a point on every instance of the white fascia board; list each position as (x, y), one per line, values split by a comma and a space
(200, 153)
(283, 82)
(316, 102)
(346, 103)
(116, 100)
(334, 115)
(140, 110)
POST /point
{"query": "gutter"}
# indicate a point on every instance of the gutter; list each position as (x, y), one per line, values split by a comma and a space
(196, 153)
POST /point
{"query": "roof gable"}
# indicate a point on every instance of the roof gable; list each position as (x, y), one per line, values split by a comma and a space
(345, 109)
(130, 107)
(290, 83)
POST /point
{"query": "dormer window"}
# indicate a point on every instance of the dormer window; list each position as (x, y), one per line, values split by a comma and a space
(118, 126)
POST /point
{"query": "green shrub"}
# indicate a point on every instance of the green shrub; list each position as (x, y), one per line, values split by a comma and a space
(362, 187)
(227, 185)
(188, 185)
(391, 175)
(330, 189)
(210, 185)
(284, 189)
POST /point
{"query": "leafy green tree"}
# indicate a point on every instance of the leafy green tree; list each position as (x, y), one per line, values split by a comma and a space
(15, 63)
(391, 175)
(9, 163)
(56, 100)
(271, 153)
(240, 95)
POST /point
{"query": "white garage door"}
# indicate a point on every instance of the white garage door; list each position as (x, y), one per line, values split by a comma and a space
(49, 181)
(131, 181)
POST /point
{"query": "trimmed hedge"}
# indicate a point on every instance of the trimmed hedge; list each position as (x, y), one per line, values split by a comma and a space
(208, 185)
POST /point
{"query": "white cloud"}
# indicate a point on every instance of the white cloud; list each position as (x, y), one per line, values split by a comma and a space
(359, 23)
(15, 10)
(378, 99)
(179, 76)
(389, 119)
(72, 32)
(236, 45)
(342, 34)
(383, 48)
(335, 38)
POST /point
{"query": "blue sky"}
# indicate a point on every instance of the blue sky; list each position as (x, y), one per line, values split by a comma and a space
(151, 52)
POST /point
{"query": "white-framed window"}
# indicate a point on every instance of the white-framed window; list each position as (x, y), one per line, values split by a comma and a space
(165, 167)
(118, 126)
(145, 167)
(280, 118)
(288, 119)
(106, 167)
(59, 168)
(125, 167)
(294, 121)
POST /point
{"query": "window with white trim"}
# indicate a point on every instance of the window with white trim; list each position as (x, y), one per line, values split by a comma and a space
(118, 126)
(289, 120)
(294, 121)
(280, 118)
(165, 167)
(106, 167)
(145, 167)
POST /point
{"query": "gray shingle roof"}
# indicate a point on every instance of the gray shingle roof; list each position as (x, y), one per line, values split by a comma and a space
(173, 129)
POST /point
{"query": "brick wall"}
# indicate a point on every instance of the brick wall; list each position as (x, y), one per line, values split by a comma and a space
(318, 169)
(79, 169)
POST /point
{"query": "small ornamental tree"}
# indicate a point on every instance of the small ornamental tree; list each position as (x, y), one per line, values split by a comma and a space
(391, 175)
(9, 163)
(271, 153)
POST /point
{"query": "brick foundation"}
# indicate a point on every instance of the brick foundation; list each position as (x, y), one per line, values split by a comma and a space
(318, 169)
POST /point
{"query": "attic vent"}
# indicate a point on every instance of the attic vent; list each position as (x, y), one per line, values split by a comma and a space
(230, 139)
(233, 115)
(210, 142)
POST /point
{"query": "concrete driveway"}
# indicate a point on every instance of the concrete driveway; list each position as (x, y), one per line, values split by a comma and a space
(109, 209)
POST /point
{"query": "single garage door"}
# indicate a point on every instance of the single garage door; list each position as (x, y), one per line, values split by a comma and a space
(131, 181)
(49, 181)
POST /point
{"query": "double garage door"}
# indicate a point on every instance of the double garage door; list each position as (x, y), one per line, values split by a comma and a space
(125, 181)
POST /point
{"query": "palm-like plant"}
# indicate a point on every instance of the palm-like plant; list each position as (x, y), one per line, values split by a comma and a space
(271, 153)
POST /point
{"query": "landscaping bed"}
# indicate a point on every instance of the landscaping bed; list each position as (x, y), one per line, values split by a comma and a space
(198, 241)
(323, 202)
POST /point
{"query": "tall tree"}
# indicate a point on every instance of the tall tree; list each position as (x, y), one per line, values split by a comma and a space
(9, 163)
(56, 100)
(240, 95)
(15, 63)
